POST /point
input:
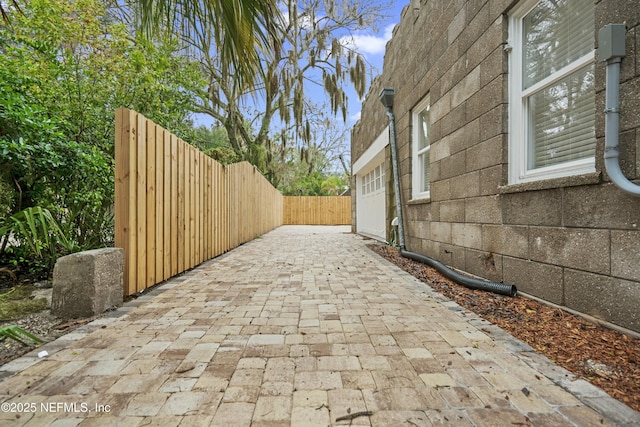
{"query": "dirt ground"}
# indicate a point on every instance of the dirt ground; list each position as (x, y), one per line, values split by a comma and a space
(27, 306)
(41, 324)
(606, 358)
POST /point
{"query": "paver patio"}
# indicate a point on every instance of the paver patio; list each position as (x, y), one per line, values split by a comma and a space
(300, 327)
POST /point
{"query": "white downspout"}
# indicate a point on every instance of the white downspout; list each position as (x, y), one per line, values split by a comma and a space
(611, 48)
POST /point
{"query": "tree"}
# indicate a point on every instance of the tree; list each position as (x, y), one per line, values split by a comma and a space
(312, 170)
(310, 51)
(328, 140)
(3, 11)
(214, 142)
(64, 69)
(240, 31)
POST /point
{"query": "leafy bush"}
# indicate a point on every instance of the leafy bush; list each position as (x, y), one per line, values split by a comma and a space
(7, 196)
(72, 180)
(64, 69)
(39, 237)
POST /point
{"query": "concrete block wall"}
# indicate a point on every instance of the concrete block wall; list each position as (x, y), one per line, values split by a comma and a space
(572, 241)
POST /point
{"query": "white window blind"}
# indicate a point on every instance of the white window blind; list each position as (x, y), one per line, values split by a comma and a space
(553, 106)
(561, 118)
(556, 33)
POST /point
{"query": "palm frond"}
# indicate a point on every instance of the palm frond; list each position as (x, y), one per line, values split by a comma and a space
(3, 12)
(37, 227)
(242, 29)
(18, 334)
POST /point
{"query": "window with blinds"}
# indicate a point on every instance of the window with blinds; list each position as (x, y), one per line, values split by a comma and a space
(552, 84)
(421, 150)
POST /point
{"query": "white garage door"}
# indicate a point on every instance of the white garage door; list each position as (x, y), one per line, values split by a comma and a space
(370, 204)
(369, 170)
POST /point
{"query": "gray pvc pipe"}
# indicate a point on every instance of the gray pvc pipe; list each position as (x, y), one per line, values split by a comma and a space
(611, 129)
(396, 176)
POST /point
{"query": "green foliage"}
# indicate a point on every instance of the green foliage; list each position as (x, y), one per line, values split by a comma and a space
(64, 69)
(38, 234)
(223, 155)
(240, 30)
(334, 185)
(315, 184)
(214, 142)
(22, 262)
(300, 56)
(18, 334)
(78, 63)
(73, 180)
(6, 275)
(7, 197)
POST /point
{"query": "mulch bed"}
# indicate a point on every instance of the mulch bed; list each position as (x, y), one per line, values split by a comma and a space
(606, 358)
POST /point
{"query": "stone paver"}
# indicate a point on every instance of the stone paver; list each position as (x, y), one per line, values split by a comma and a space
(300, 327)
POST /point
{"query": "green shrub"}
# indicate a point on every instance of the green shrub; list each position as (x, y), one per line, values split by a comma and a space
(7, 198)
(38, 236)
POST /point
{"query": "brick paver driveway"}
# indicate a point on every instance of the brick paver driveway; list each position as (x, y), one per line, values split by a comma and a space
(303, 326)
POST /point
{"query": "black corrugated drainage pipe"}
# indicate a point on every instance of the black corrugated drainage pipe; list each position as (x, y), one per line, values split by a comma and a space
(461, 279)
(386, 97)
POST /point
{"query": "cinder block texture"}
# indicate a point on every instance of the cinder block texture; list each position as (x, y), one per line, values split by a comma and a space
(87, 283)
(572, 240)
(603, 297)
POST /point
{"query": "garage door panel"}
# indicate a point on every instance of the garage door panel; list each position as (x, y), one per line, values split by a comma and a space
(370, 203)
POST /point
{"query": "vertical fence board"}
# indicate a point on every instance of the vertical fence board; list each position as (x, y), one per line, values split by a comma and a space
(159, 231)
(231, 197)
(121, 207)
(181, 206)
(316, 210)
(202, 207)
(196, 212)
(125, 227)
(141, 203)
(215, 207)
(209, 209)
(218, 208)
(173, 158)
(176, 207)
(188, 215)
(226, 206)
(151, 203)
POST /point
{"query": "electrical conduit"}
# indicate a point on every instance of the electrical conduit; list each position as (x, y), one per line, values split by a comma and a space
(612, 49)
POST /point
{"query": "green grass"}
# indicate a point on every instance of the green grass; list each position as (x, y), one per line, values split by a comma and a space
(17, 302)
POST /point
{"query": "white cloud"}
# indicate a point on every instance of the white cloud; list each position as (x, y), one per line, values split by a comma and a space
(304, 20)
(369, 44)
(355, 117)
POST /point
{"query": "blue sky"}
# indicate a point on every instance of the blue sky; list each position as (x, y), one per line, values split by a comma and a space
(372, 46)
(369, 43)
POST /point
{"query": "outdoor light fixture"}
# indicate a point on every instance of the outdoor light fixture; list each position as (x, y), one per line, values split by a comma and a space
(386, 97)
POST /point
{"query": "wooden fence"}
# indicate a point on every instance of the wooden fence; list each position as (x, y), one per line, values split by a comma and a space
(321, 210)
(175, 207)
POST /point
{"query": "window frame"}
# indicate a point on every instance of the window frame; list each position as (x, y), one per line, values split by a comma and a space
(518, 109)
(417, 170)
(373, 180)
